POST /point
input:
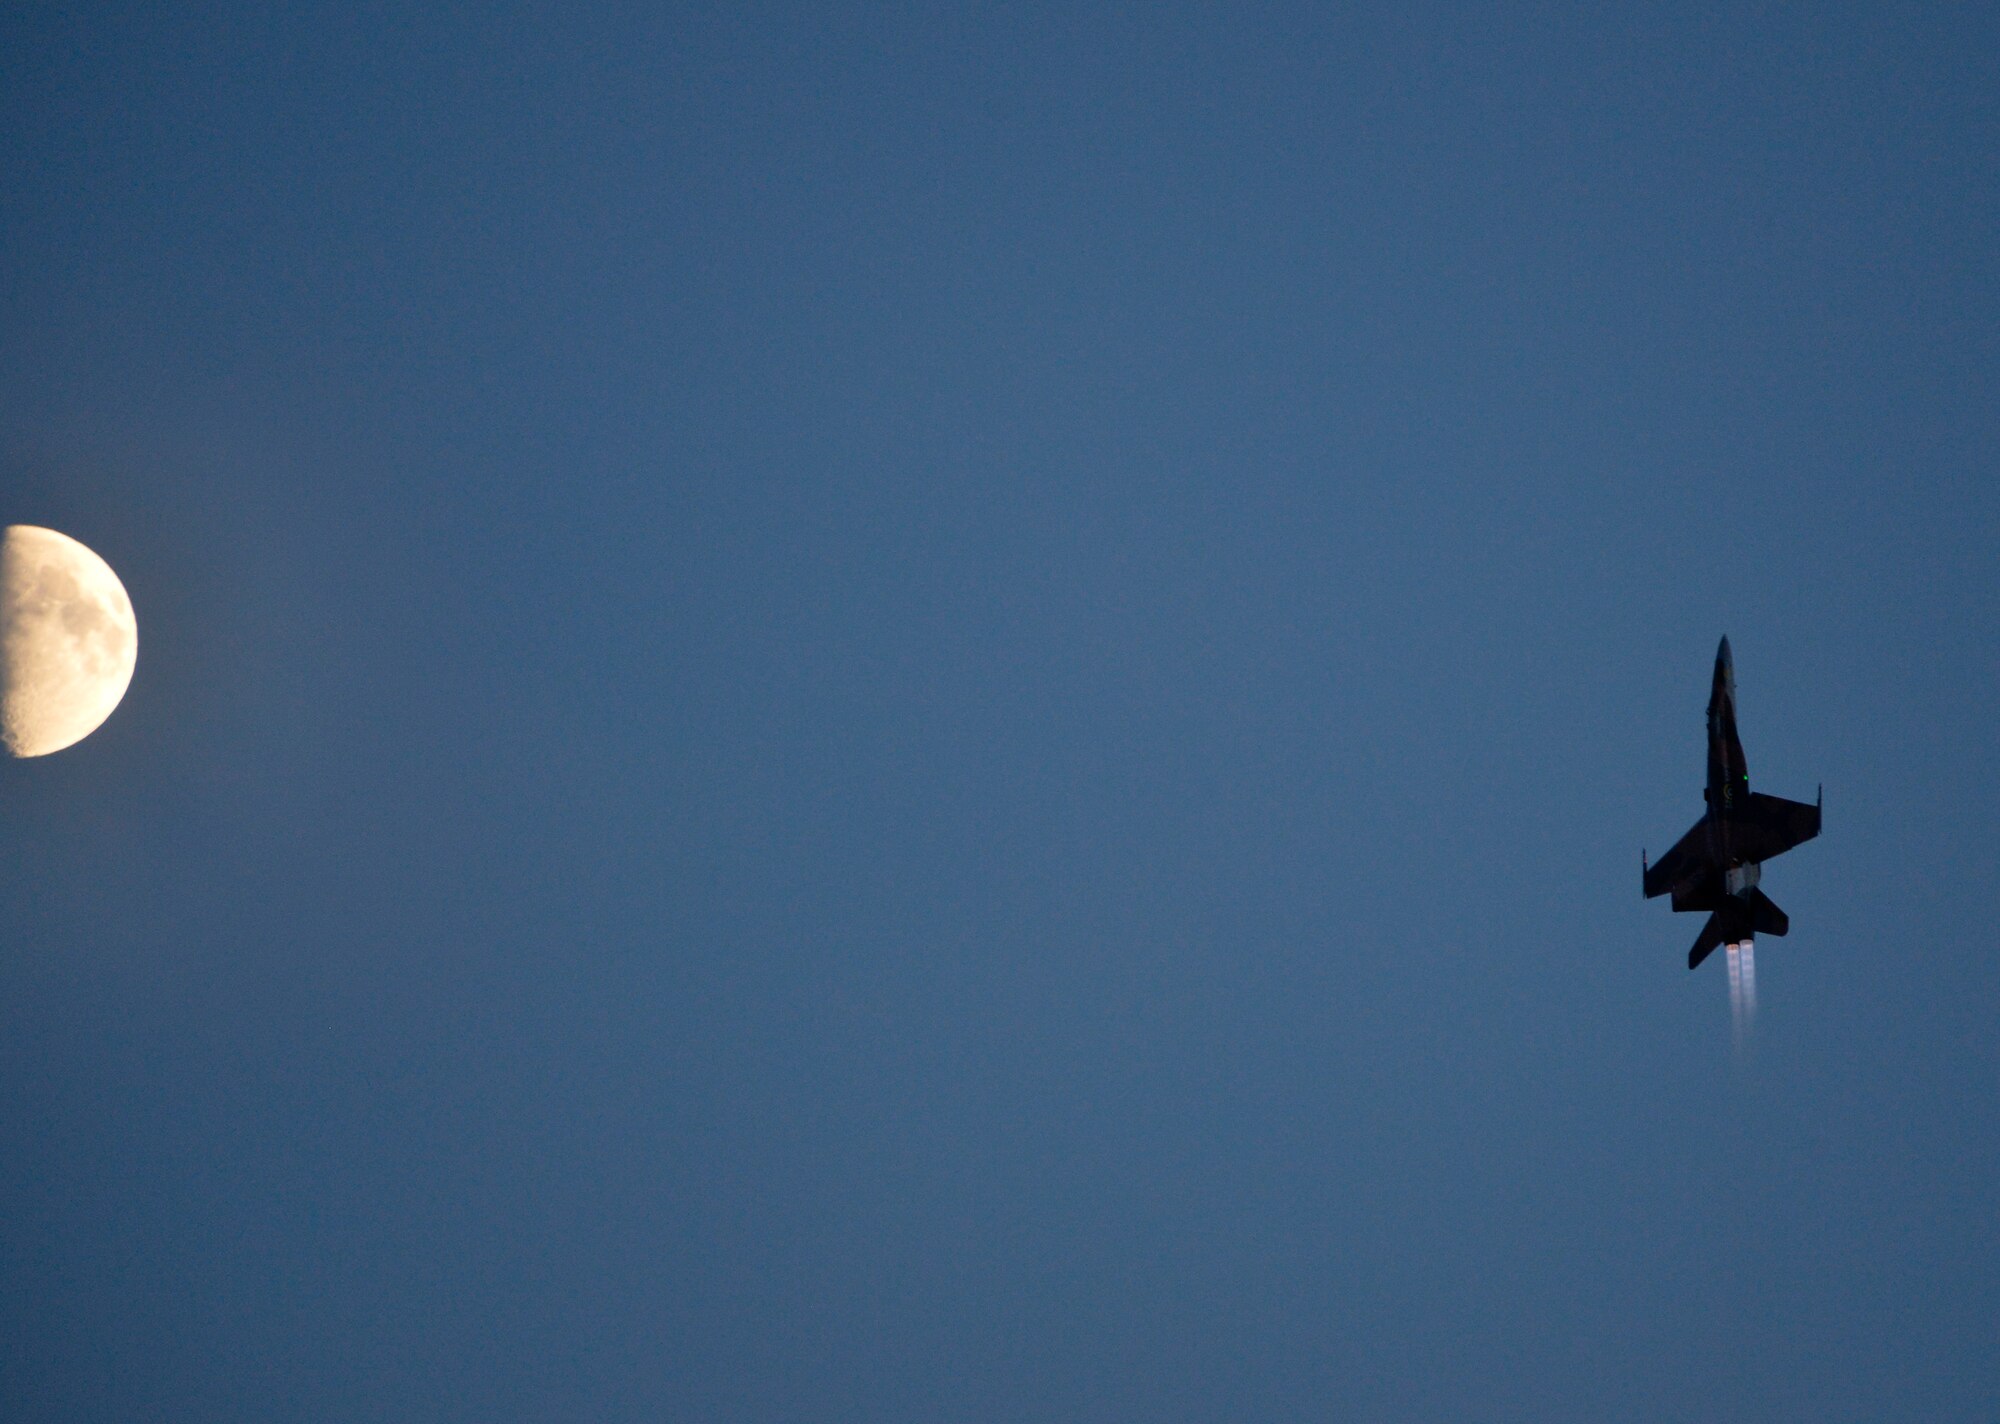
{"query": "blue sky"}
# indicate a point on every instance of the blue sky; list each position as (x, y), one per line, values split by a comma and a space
(947, 713)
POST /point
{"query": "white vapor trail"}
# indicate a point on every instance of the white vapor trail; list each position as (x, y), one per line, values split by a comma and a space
(1743, 989)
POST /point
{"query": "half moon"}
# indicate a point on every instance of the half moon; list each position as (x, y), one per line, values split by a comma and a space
(68, 641)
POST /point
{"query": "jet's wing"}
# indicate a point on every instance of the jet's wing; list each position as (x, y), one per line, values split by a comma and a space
(1770, 825)
(1689, 854)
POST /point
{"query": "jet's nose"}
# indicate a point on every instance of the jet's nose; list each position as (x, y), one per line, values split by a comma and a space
(1722, 659)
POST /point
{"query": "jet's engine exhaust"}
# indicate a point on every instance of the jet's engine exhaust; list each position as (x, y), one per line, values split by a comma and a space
(1742, 989)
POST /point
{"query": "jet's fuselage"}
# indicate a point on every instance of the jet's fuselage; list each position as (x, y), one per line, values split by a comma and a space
(1728, 776)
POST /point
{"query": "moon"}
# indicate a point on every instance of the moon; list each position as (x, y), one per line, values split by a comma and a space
(68, 641)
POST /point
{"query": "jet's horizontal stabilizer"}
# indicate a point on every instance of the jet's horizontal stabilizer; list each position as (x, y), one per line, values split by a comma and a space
(1765, 917)
(1708, 941)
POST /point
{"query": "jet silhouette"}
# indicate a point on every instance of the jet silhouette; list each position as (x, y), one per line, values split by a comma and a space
(1716, 865)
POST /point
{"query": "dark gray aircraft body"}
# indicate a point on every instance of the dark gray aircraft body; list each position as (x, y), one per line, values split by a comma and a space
(1715, 866)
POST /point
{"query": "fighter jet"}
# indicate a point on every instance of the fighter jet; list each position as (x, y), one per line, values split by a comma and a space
(1715, 866)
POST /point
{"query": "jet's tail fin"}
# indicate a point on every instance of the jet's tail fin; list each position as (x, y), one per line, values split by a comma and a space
(1708, 941)
(1765, 917)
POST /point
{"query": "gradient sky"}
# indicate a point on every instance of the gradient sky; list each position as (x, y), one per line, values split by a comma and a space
(946, 713)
